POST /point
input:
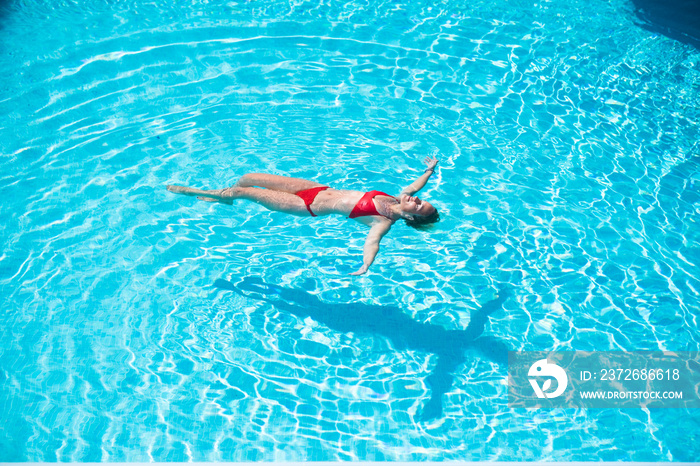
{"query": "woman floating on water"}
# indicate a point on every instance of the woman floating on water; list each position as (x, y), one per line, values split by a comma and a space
(295, 196)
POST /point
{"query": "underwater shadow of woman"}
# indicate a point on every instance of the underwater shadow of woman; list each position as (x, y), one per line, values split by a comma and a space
(388, 321)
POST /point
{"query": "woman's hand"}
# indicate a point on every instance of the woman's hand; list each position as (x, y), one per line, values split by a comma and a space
(431, 162)
(417, 185)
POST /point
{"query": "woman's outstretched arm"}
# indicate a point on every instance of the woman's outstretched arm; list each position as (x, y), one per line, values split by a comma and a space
(375, 235)
(420, 182)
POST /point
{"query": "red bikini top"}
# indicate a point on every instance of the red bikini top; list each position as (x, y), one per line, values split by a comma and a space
(365, 206)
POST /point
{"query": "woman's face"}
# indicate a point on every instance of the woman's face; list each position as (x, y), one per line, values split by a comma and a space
(414, 206)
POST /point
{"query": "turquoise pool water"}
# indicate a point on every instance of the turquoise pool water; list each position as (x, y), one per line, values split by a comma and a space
(142, 326)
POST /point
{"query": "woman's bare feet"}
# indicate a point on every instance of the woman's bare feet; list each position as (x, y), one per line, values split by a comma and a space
(182, 190)
(224, 196)
(211, 199)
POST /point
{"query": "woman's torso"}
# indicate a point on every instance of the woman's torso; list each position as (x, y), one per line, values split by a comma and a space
(342, 202)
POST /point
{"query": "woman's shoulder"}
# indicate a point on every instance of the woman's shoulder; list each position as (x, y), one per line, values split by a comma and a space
(387, 196)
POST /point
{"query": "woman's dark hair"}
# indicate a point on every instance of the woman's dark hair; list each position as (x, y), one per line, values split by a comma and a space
(423, 222)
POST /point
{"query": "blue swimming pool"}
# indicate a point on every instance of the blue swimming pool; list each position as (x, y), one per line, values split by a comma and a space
(142, 326)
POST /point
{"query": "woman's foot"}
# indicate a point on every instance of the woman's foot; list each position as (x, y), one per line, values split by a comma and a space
(225, 196)
(182, 190)
(211, 199)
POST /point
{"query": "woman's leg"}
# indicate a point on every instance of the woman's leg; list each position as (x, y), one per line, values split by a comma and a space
(269, 198)
(277, 183)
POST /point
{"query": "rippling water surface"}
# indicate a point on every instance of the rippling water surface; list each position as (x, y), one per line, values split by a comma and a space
(139, 325)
